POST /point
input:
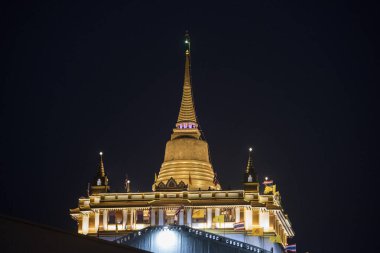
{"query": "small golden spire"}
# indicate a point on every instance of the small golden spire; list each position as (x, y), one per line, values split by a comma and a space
(250, 161)
(101, 166)
(187, 110)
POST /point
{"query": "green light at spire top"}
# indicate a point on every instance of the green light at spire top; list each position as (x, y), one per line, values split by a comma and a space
(186, 41)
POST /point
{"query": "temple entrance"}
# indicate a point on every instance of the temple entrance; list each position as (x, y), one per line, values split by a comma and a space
(170, 217)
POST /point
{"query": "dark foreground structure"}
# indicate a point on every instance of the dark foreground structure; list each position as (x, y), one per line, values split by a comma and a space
(20, 236)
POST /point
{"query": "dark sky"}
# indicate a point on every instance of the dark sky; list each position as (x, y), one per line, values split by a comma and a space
(295, 80)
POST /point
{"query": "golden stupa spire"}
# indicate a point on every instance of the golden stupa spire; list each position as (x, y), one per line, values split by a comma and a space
(187, 117)
(101, 171)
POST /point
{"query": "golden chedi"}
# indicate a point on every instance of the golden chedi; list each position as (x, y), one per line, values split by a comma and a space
(187, 154)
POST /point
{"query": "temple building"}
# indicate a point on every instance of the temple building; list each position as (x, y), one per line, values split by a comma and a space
(187, 193)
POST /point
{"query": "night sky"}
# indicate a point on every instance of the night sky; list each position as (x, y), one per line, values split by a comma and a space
(297, 81)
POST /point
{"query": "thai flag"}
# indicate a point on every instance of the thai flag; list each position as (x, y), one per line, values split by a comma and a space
(268, 182)
(290, 248)
(178, 210)
(239, 225)
(215, 181)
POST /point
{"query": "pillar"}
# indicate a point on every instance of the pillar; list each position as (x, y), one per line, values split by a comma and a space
(105, 220)
(181, 217)
(188, 216)
(132, 219)
(152, 217)
(125, 217)
(217, 213)
(264, 219)
(96, 221)
(237, 214)
(161, 217)
(209, 217)
(85, 221)
(248, 218)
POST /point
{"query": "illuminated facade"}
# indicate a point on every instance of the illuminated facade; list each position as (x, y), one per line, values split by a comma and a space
(187, 192)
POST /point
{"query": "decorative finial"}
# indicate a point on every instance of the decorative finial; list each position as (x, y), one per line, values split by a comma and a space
(187, 42)
(127, 184)
(250, 161)
(101, 165)
(250, 174)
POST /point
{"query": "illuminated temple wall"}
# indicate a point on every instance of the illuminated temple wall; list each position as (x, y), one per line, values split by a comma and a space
(112, 214)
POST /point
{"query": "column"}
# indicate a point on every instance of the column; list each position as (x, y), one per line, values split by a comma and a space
(217, 213)
(181, 217)
(237, 214)
(209, 217)
(264, 219)
(132, 219)
(85, 219)
(125, 217)
(105, 220)
(248, 218)
(161, 217)
(96, 221)
(188, 216)
(152, 217)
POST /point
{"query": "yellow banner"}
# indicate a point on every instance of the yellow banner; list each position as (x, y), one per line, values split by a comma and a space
(198, 213)
(276, 239)
(218, 219)
(270, 189)
(258, 231)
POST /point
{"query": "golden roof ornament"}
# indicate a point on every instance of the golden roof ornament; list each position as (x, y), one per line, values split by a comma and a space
(101, 171)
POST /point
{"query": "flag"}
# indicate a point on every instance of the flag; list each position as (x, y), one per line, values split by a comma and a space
(198, 213)
(258, 231)
(268, 182)
(178, 210)
(290, 248)
(270, 189)
(218, 219)
(276, 239)
(216, 182)
(189, 179)
(239, 225)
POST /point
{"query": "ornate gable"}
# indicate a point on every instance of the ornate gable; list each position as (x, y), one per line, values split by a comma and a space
(171, 185)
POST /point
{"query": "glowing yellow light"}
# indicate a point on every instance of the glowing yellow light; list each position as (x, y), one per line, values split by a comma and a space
(266, 178)
(128, 181)
(250, 149)
(100, 153)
